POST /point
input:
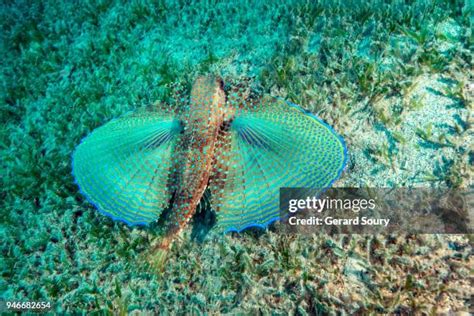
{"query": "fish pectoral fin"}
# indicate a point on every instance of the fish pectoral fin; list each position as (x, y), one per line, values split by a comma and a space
(274, 145)
(124, 166)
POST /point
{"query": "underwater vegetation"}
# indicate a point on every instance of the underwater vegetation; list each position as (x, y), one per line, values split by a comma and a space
(393, 78)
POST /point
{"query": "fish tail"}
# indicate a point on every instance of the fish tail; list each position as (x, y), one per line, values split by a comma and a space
(158, 255)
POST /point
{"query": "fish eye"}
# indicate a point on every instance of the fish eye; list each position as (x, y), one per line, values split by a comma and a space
(181, 126)
(225, 126)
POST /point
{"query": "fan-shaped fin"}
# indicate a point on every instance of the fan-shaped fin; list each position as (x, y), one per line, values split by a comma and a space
(124, 167)
(274, 145)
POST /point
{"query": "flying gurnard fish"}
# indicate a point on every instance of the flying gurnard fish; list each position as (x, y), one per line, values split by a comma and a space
(242, 151)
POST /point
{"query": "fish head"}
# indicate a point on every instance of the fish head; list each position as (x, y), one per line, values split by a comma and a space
(207, 107)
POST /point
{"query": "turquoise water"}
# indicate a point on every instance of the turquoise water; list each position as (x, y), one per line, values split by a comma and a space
(393, 79)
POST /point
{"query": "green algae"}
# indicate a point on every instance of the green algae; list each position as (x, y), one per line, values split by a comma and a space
(380, 73)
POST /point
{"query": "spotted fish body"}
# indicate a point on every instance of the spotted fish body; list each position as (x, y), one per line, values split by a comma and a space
(242, 151)
(202, 120)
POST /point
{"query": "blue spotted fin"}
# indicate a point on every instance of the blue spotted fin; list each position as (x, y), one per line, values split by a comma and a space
(124, 167)
(272, 145)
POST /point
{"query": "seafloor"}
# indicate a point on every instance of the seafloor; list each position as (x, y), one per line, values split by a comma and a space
(394, 79)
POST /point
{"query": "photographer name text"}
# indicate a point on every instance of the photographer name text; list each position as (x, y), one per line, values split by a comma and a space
(331, 221)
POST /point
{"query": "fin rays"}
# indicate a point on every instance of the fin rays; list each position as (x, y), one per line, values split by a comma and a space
(123, 167)
(276, 145)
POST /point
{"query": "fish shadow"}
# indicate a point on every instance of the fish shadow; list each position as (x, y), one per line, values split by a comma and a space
(203, 222)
